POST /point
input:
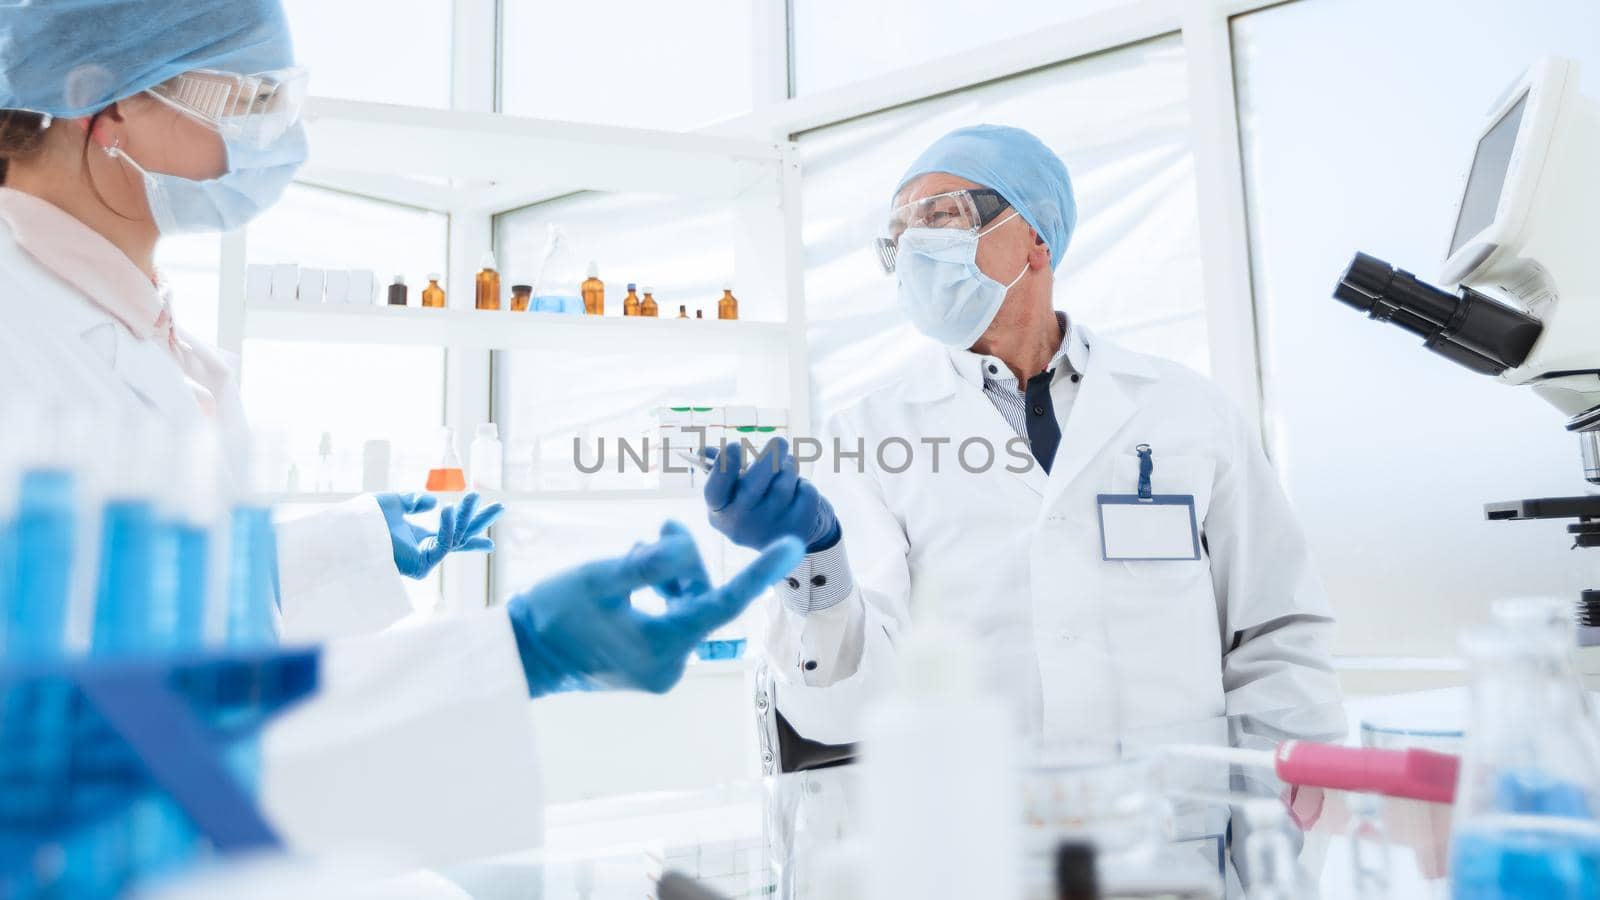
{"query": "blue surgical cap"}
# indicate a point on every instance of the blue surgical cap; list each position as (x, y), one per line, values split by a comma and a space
(72, 58)
(1016, 164)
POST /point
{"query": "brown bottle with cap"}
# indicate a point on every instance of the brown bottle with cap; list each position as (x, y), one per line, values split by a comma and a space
(649, 307)
(594, 292)
(728, 306)
(630, 303)
(433, 295)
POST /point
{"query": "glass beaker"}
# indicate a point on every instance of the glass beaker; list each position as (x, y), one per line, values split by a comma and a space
(1525, 816)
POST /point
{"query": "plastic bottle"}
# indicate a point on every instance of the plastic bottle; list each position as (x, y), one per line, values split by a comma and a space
(447, 475)
(488, 283)
(941, 799)
(433, 295)
(594, 292)
(521, 295)
(648, 307)
(487, 459)
(397, 291)
(1525, 813)
(630, 303)
(728, 306)
(324, 480)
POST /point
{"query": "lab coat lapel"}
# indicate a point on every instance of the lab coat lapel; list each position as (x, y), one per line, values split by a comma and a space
(1105, 403)
(971, 414)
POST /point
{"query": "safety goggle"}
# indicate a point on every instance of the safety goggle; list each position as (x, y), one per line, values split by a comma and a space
(968, 210)
(258, 107)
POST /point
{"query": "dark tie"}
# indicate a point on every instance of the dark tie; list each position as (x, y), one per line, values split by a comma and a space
(1043, 432)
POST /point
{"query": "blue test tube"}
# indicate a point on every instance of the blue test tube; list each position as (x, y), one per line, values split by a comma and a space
(41, 542)
(126, 617)
(252, 578)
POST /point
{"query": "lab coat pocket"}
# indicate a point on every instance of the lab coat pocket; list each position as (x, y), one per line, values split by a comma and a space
(1171, 475)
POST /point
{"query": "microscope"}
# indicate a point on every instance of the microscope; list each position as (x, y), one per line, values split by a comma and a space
(1525, 256)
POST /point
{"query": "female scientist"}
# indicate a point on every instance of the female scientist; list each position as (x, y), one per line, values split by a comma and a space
(122, 121)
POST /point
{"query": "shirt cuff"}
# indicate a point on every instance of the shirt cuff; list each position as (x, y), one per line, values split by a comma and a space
(821, 581)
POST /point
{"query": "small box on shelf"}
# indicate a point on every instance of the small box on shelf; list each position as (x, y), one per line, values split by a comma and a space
(336, 287)
(258, 283)
(363, 287)
(285, 282)
(311, 284)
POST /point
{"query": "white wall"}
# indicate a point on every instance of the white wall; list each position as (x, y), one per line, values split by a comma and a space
(1357, 117)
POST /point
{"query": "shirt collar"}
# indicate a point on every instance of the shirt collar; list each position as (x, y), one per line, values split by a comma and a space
(82, 257)
(1072, 357)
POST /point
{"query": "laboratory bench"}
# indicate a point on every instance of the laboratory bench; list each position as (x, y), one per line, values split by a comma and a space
(1167, 826)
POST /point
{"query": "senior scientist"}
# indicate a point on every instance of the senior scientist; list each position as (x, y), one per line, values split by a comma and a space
(1124, 558)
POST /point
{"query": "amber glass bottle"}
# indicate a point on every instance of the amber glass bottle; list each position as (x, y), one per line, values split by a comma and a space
(630, 303)
(649, 307)
(728, 306)
(594, 292)
(488, 284)
(433, 295)
(521, 296)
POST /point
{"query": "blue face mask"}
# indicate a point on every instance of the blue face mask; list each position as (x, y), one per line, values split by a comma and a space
(256, 178)
(942, 290)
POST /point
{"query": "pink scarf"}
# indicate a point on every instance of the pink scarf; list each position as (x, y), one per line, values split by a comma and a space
(83, 258)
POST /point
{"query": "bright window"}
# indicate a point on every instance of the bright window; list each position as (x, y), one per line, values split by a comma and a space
(1408, 559)
(838, 42)
(387, 51)
(622, 62)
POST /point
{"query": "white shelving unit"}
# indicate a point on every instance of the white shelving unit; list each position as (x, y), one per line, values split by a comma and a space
(473, 166)
(472, 329)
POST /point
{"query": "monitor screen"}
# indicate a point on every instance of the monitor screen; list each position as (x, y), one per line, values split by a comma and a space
(1488, 175)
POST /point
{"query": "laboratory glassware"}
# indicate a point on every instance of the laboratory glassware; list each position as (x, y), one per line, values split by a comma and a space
(594, 292)
(1525, 817)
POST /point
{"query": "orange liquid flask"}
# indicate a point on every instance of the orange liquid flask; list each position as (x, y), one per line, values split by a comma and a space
(448, 476)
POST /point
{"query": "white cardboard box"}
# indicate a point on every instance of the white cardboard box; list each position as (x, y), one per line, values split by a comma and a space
(258, 283)
(362, 285)
(285, 282)
(311, 282)
(336, 286)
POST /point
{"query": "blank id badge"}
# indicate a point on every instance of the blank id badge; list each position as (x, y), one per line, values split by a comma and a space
(1157, 527)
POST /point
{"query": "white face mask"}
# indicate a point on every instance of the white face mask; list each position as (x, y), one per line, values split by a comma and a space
(255, 179)
(942, 289)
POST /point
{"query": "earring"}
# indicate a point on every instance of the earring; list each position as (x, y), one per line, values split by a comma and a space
(112, 150)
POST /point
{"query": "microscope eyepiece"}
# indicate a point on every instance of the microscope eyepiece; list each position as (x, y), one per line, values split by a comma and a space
(1469, 328)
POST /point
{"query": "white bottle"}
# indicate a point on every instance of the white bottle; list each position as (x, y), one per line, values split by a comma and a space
(942, 813)
(486, 459)
(325, 464)
(375, 466)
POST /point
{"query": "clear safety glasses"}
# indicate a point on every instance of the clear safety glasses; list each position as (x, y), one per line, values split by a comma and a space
(257, 108)
(968, 210)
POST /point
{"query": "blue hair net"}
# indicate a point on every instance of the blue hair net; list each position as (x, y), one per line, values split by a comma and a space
(1016, 164)
(72, 58)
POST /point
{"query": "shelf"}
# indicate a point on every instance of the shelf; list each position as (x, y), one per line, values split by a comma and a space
(491, 160)
(507, 497)
(501, 330)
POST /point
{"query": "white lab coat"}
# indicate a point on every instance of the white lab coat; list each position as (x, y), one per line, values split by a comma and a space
(1085, 648)
(418, 744)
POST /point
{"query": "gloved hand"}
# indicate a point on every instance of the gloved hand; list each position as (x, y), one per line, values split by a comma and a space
(768, 500)
(416, 549)
(578, 631)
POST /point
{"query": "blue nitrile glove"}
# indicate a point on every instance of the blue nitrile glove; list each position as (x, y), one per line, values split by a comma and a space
(416, 549)
(578, 631)
(768, 500)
